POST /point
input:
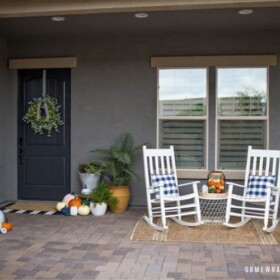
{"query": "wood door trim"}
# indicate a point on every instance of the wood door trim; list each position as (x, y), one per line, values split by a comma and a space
(218, 61)
(43, 63)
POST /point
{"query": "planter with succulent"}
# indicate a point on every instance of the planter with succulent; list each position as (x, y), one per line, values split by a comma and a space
(90, 174)
(100, 198)
(118, 160)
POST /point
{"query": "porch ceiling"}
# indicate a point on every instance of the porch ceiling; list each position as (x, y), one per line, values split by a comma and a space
(19, 8)
(165, 22)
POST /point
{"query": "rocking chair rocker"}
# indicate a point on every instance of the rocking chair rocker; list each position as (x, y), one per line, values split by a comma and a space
(162, 190)
(260, 196)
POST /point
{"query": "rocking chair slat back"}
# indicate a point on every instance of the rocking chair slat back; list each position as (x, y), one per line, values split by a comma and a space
(159, 164)
(263, 163)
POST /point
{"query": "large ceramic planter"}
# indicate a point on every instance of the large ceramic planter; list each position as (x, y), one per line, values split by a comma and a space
(89, 181)
(98, 209)
(122, 193)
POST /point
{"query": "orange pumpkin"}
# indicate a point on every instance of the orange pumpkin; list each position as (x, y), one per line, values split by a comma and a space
(210, 183)
(75, 202)
(217, 184)
(7, 226)
(68, 197)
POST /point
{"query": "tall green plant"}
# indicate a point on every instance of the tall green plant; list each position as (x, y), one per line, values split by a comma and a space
(119, 158)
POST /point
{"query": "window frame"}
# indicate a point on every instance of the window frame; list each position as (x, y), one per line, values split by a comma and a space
(212, 77)
(238, 173)
(192, 172)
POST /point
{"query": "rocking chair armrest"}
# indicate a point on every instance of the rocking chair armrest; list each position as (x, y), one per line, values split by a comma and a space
(188, 184)
(272, 187)
(235, 185)
(153, 187)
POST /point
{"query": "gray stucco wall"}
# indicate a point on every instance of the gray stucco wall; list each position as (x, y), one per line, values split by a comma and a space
(114, 88)
(7, 130)
(3, 89)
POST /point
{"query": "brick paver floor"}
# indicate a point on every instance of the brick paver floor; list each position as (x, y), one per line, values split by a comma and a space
(59, 247)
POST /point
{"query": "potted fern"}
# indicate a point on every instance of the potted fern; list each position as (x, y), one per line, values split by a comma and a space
(118, 159)
(100, 198)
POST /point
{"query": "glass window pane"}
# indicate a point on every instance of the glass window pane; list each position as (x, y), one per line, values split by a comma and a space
(182, 92)
(188, 139)
(234, 139)
(242, 91)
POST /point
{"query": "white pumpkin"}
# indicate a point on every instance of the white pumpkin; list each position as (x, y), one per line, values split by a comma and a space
(74, 211)
(68, 197)
(60, 205)
(85, 191)
(83, 210)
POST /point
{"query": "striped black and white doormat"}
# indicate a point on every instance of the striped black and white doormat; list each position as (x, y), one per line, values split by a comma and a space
(33, 208)
(32, 212)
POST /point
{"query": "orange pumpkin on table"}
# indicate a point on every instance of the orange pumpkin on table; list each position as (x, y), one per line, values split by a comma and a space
(217, 184)
(75, 202)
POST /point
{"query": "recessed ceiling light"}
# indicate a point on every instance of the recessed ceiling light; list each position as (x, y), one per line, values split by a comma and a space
(246, 12)
(141, 15)
(58, 18)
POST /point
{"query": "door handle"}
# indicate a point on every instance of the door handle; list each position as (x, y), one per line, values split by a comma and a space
(20, 156)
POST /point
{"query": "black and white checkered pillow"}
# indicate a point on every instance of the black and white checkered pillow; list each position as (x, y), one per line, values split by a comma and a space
(257, 186)
(168, 182)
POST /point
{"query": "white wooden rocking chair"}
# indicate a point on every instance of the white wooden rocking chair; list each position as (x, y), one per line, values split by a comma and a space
(162, 189)
(260, 196)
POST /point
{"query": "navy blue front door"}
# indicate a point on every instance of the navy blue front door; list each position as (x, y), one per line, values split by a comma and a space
(43, 162)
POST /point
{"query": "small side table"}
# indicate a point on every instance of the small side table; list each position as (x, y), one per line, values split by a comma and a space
(213, 207)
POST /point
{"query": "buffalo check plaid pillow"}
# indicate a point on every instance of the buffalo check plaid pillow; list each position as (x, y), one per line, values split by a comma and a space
(257, 186)
(168, 182)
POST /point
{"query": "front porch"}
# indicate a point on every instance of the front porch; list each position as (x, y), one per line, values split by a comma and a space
(114, 86)
(59, 247)
(114, 89)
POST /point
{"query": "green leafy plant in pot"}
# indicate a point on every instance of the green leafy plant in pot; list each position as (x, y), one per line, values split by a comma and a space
(118, 160)
(90, 174)
(100, 198)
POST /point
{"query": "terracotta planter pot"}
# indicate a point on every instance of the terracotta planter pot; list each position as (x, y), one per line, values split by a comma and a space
(122, 193)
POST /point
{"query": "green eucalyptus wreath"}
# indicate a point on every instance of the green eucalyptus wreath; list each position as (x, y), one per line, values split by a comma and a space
(43, 115)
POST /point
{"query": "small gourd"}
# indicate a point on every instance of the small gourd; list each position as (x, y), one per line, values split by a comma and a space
(83, 210)
(75, 202)
(8, 226)
(60, 205)
(85, 201)
(73, 211)
(65, 211)
(85, 191)
(68, 197)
